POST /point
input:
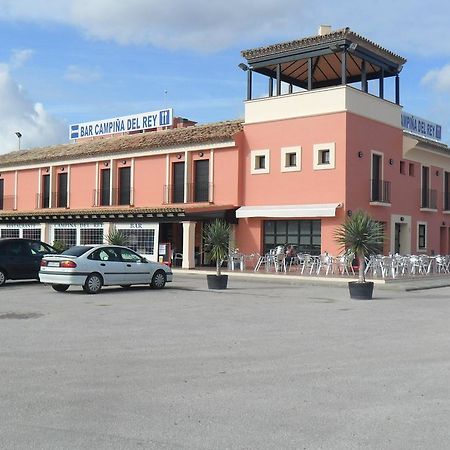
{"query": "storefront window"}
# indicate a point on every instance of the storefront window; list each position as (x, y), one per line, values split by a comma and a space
(141, 241)
(32, 233)
(10, 233)
(305, 235)
(67, 236)
(91, 236)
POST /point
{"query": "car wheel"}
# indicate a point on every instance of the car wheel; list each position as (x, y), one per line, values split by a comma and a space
(60, 287)
(93, 284)
(125, 286)
(2, 277)
(158, 280)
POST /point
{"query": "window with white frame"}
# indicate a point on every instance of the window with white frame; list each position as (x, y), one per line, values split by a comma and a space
(324, 156)
(421, 236)
(291, 158)
(260, 161)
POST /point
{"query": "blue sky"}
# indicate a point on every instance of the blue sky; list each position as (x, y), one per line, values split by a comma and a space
(79, 60)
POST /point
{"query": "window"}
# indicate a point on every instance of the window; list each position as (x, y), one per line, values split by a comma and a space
(129, 256)
(402, 167)
(68, 236)
(91, 236)
(291, 159)
(201, 176)
(303, 235)
(1, 193)
(9, 233)
(324, 156)
(260, 161)
(421, 236)
(45, 196)
(105, 254)
(411, 170)
(105, 177)
(125, 186)
(178, 183)
(446, 191)
(141, 241)
(62, 190)
(427, 196)
(32, 233)
(39, 248)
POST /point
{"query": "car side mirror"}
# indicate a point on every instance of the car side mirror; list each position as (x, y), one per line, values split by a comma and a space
(144, 260)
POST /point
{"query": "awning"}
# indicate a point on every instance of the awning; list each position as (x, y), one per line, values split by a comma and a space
(320, 210)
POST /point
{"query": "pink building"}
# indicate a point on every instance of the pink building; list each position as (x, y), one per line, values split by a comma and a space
(326, 141)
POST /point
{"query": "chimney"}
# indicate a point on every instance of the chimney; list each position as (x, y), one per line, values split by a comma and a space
(324, 29)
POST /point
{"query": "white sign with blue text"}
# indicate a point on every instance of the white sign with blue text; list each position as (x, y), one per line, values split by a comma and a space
(125, 124)
(421, 126)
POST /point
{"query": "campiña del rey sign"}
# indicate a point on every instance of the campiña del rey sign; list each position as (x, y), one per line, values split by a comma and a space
(421, 126)
(125, 124)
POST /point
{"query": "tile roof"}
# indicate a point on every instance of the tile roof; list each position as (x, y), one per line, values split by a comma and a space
(199, 134)
(73, 213)
(344, 33)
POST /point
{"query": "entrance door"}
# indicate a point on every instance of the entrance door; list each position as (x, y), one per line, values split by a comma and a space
(397, 246)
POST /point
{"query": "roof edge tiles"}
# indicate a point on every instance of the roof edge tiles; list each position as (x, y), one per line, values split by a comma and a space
(198, 134)
(344, 33)
(97, 212)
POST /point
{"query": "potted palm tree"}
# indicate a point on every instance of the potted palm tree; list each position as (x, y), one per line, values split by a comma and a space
(216, 236)
(361, 235)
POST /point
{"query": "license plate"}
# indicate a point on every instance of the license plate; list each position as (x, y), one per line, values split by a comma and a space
(53, 264)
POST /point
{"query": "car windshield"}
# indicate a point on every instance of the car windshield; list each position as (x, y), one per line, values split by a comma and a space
(78, 250)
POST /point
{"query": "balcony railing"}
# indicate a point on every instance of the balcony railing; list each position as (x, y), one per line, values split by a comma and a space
(381, 191)
(44, 201)
(196, 193)
(120, 197)
(7, 203)
(428, 198)
(51, 201)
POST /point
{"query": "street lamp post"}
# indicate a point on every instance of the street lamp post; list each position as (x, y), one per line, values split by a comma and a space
(19, 135)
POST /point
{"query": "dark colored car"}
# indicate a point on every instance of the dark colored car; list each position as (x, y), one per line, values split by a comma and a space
(20, 259)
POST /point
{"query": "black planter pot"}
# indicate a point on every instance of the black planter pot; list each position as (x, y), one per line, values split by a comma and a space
(360, 291)
(217, 281)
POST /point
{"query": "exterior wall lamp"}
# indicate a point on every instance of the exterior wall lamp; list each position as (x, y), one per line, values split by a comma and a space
(360, 154)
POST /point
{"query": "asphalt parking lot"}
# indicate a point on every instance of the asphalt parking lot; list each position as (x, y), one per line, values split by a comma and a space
(263, 365)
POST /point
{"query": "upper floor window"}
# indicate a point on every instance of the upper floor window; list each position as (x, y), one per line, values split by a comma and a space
(324, 156)
(260, 161)
(291, 159)
(62, 190)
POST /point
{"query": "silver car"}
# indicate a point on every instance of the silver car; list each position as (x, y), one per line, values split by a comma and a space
(92, 267)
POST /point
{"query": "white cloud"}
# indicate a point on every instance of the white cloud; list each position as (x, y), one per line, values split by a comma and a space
(20, 57)
(207, 25)
(19, 113)
(79, 74)
(438, 79)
